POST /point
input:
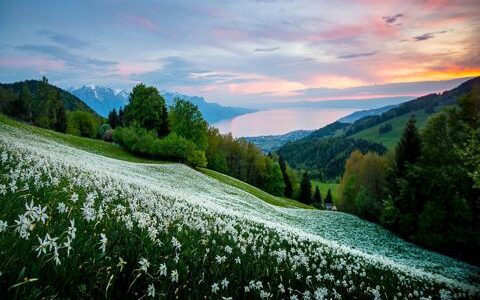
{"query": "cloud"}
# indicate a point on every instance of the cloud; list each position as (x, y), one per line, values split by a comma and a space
(64, 39)
(389, 89)
(65, 55)
(266, 49)
(140, 21)
(427, 36)
(356, 55)
(390, 20)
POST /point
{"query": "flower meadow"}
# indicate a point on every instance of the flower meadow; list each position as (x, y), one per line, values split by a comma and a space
(78, 225)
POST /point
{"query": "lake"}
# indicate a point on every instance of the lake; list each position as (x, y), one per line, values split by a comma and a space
(280, 121)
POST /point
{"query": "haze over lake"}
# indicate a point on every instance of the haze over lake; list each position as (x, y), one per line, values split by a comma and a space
(280, 121)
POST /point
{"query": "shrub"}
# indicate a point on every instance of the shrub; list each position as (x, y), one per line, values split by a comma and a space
(82, 123)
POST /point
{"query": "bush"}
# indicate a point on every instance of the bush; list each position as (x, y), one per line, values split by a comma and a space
(102, 129)
(108, 136)
(82, 123)
(172, 147)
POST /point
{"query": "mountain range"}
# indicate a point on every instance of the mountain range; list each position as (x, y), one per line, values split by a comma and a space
(103, 99)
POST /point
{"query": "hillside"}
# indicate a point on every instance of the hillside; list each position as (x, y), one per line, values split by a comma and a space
(310, 151)
(269, 143)
(187, 222)
(70, 101)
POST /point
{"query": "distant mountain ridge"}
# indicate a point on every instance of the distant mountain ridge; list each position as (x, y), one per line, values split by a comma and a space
(103, 99)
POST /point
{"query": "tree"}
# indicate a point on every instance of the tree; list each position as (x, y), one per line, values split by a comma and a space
(328, 198)
(274, 181)
(20, 107)
(113, 118)
(317, 198)
(286, 179)
(121, 117)
(306, 189)
(408, 149)
(186, 120)
(61, 118)
(147, 109)
(82, 123)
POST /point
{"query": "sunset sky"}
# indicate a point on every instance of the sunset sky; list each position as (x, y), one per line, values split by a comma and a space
(243, 52)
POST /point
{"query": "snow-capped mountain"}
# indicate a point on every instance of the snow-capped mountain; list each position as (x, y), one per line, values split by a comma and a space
(103, 99)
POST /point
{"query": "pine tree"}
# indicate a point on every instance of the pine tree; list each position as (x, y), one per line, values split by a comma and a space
(113, 118)
(408, 149)
(286, 179)
(305, 189)
(60, 124)
(21, 106)
(317, 198)
(121, 117)
(328, 198)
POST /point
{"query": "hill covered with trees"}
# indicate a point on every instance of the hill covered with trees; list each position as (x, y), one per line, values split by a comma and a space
(312, 154)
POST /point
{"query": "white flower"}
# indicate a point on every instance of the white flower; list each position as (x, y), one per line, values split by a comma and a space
(68, 245)
(3, 226)
(281, 288)
(228, 249)
(174, 276)
(162, 270)
(74, 197)
(72, 230)
(237, 260)
(144, 264)
(42, 248)
(62, 208)
(121, 263)
(151, 290)
(103, 242)
(176, 244)
(224, 283)
(215, 288)
(220, 259)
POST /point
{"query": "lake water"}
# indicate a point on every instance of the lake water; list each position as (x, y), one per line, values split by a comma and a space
(280, 121)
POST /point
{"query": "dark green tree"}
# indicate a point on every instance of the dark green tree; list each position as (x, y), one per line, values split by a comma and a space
(147, 110)
(113, 118)
(317, 198)
(61, 118)
(328, 198)
(305, 189)
(286, 179)
(408, 149)
(121, 117)
(20, 107)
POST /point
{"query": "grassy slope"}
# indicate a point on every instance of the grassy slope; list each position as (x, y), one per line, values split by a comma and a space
(391, 138)
(278, 201)
(114, 151)
(324, 186)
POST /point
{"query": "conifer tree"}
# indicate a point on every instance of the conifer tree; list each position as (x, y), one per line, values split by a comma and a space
(328, 198)
(408, 149)
(305, 189)
(286, 179)
(317, 197)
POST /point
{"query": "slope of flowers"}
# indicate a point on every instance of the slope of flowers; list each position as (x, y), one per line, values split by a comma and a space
(77, 224)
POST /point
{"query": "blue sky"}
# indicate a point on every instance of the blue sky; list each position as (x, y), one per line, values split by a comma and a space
(244, 52)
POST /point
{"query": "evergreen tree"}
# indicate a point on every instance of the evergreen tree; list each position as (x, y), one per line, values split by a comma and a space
(286, 179)
(121, 117)
(317, 198)
(328, 198)
(21, 105)
(59, 122)
(305, 189)
(113, 118)
(408, 149)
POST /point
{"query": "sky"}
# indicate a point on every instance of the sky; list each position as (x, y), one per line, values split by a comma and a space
(245, 52)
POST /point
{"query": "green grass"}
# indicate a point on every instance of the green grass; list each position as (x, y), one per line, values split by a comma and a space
(91, 145)
(324, 186)
(115, 151)
(391, 138)
(278, 201)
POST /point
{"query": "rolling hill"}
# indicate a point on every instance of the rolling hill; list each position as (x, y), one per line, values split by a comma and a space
(103, 208)
(311, 152)
(70, 101)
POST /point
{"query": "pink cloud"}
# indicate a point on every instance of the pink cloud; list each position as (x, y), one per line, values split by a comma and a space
(140, 21)
(39, 64)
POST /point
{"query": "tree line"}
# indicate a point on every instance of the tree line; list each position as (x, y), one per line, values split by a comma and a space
(41, 104)
(428, 189)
